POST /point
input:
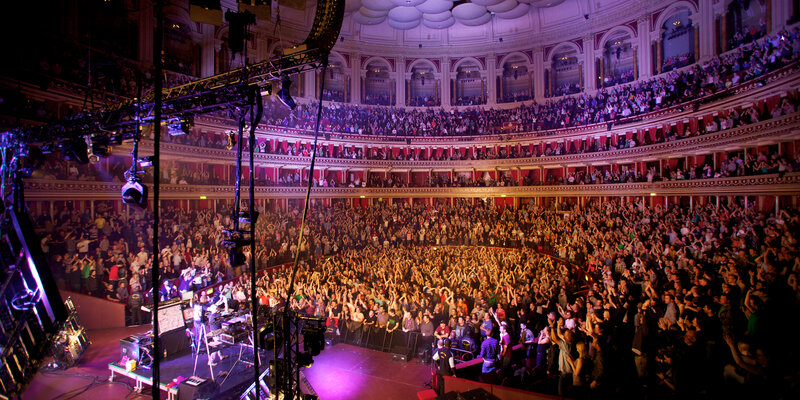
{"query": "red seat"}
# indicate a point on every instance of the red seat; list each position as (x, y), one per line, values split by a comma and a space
(428, 394)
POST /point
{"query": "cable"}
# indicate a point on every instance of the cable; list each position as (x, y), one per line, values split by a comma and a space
(290, 292)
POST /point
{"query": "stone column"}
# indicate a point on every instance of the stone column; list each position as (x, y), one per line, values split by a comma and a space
(586, 67)
(446, 76)
(208, 47)
(147, 28)
(355, 78)
(491, 77)
(538, 74)
(400, 87)
(659, 54)
(644, 54)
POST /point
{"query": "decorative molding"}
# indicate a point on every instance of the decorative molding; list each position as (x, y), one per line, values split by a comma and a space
(772, 185)
(765, 132)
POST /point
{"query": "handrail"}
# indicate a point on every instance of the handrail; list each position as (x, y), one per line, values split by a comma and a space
(771, 130)
(767, 184)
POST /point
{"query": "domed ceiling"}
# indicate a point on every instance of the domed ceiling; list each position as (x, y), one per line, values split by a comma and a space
(386, 26)
(440, 14)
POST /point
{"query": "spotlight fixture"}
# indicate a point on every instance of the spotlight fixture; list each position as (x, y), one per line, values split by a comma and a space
(134, 192)
(285, 96)
(231, 140)
(305, 360)
(146, 162)
(180, 128)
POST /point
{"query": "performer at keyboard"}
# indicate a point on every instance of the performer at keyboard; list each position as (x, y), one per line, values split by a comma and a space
(214, 324)
(198, 308)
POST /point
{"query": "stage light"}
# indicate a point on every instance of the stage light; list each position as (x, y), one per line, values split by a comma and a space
(75, 150)
(304, 360)
(181, 127)
(285, 96)
(231, 140)
(146, 162)
(134, 192)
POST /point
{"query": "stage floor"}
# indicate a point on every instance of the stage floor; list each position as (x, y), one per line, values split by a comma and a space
(340, 372)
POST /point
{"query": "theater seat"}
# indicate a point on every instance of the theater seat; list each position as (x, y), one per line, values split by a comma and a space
(428, 394)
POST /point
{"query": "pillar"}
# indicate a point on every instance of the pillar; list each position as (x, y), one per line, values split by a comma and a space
(645, 55)
(659, 55)
(635, 64)
(446, 85)
(530, 84)
(400, 94)
(538, 75)
(491, 72)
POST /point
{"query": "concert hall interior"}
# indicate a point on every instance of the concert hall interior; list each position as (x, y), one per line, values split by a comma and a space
(399, 199)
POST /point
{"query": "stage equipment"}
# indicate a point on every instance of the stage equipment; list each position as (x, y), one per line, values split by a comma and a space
(220, 92)
(284, 95)
(237, 29)
(261, 8)
(71, 341)
(206, 11)
(31, 309)
(134, 192)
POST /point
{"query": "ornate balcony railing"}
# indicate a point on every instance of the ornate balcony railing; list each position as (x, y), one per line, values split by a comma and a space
(748, 92)
(769, 184)
(759, 134)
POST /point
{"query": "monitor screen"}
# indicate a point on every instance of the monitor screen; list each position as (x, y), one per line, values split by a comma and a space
(170, 318)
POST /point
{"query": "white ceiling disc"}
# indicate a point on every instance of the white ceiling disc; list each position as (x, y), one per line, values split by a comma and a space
(467, 11)
(405, 14)
(378, 5)
(439, 17)
(372, 13)
(477, 21)
(506, 5)
(439, 24)
(364, 20)
(518, 11)
(435, 6)
(404, 25)
(487, 2)
(543, 3)
(351, 5)
(407, 3)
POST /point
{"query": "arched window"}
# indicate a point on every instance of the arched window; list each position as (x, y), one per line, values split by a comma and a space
(515, 83)
(335, 82)
(181, 54)
(746, 21)
(423, 90)
(677, 41)
(566, 73)
(378, 88)
(617, 60)
(470, 86)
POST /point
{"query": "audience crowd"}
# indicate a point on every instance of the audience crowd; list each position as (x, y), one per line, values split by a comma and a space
(607, 298)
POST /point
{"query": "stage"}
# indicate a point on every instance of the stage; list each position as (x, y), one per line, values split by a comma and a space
(340, 372)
